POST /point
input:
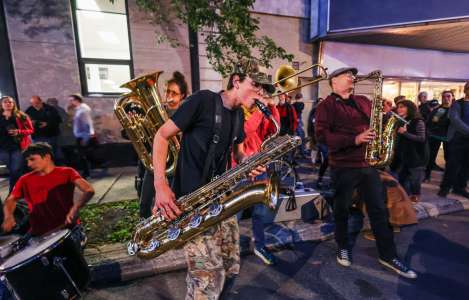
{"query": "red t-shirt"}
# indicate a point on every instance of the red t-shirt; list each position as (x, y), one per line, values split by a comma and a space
(49, 197)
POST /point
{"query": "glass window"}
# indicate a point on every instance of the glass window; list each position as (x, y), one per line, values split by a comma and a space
(106, 78)
(104, 48)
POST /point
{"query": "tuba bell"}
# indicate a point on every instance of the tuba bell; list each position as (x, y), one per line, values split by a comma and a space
(141, 113)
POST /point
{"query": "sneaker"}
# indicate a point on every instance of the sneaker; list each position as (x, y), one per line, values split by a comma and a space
(463, 193)
(344, 257)
(264, 254)
(369, 235)
(443, 193)
(399, 267)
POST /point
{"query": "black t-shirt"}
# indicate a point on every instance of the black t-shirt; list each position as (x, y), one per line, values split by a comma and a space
(8, 142)
(195, 118)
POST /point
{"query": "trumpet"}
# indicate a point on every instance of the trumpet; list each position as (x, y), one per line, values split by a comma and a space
(286, 78)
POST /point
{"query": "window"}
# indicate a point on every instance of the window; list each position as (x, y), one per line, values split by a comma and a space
(103, 43)
(410, 89)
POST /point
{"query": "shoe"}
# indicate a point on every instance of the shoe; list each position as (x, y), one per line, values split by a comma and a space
(415, 198)
(396, 229)
(368, 234)
(399, 267)
(264, 254)
(463, 193)
(344, 257)
(443, 193)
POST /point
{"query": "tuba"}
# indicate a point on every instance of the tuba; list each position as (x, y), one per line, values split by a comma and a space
(141, 113)
(379, 151)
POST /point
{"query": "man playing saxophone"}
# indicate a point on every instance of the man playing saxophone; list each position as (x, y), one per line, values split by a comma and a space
(342, 123)
(211, 124)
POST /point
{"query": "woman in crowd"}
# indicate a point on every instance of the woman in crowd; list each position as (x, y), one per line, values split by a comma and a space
(15, 135)
(411, 150)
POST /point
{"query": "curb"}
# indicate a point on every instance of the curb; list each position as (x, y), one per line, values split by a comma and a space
(278, 236)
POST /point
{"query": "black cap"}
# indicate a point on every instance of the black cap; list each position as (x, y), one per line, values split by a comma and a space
(434, 103)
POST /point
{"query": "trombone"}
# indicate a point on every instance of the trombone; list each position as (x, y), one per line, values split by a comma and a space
(287, 78)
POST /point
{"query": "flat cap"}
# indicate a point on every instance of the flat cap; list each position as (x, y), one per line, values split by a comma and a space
(342, 71)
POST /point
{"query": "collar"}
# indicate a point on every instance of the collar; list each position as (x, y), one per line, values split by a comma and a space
(339, 98)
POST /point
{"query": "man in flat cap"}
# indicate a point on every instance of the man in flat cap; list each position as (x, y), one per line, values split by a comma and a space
(212, 127)
(342, 123)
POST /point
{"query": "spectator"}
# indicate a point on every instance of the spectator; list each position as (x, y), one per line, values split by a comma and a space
(288, 117)
(66, 140)
(315, 154)
(299, 107)
(46, 121)
(424, 106)
(411, 155)
(437, 127)
(457, 166)
(15, 135)
(83, 131)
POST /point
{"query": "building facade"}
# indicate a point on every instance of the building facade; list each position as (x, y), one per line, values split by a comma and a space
(56, 48)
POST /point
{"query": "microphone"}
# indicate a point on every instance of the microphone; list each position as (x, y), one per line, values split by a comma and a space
(263, 108)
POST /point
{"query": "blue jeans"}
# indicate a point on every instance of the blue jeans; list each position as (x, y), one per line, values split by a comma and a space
(301, 133)
(14, 161)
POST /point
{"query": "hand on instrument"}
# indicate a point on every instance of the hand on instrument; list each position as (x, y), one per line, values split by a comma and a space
(365, 137)
(165, 203)
(402, 129)
(72, 216)
(8, 224)
(257, 171)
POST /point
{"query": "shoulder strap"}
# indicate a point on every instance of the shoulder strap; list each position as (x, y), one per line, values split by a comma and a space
(217, 124)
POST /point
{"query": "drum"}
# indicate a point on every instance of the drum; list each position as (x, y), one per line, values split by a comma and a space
(7, 245)
(49, 267)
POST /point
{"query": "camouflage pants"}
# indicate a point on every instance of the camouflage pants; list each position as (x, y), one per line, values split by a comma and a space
(211, 257)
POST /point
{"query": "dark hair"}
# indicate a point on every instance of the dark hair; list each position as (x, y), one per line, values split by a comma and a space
(37, 97)
(412, 110)
(180, 81)
(398, 99)
(447, 91)
(38, 148)
(298, 96)
(76, 97)
(230, 84)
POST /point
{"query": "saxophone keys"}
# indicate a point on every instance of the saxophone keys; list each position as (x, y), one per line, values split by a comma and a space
(195, 221)
(132, 248)
(153, 245)
(173, 233)
(215, 209)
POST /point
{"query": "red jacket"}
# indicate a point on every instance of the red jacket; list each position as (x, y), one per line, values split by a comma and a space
(337, 125)
(289, 121)
(25, 130)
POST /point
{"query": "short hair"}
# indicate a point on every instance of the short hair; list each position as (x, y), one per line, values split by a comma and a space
(447, 91)
(298, 96)
(230, 84)
(40, 148)
(421, 94)
(76, 97)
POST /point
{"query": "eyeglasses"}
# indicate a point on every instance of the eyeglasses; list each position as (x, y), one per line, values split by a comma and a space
(256, 85)
(172, 93)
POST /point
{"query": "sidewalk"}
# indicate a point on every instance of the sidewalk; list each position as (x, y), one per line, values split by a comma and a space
(110, 263)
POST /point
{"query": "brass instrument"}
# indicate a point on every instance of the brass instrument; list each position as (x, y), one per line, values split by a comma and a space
(141, 113)
(222, 198)
(286, 78)
(379, 151)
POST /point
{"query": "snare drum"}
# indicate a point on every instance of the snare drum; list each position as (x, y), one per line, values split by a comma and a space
(50, 267)
(7, 245)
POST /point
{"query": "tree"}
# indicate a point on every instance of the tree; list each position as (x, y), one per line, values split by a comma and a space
(229, 26)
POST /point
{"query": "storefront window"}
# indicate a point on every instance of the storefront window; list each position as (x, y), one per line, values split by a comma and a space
(410, 89)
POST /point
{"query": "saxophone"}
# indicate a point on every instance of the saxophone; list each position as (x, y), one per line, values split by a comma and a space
(141, 113)
(379, 151)
(212, 203)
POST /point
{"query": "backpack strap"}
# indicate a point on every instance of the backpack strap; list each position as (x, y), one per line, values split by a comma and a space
(217, 124)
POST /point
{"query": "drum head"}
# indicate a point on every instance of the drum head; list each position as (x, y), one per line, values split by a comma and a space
(6, 244)
(35, 247)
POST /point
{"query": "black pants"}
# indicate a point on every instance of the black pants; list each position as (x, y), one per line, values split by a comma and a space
(147, 195)
(434, 145)
(371, 191)
(411, 179)
(457, 166)
(85, 157)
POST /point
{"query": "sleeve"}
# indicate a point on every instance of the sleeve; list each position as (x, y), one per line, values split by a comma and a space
(455, 118)
(73, 175)
(419, 135)
(17, 191)
(334, 140)
(187, 114)
(28, 128)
